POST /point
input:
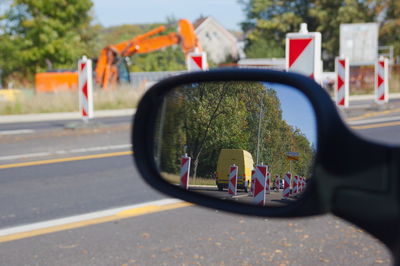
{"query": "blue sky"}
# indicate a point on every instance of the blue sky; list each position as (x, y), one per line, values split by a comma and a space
(116, 12)
(297, 110)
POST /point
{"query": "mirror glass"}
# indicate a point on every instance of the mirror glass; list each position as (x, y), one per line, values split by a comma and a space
(246, 141)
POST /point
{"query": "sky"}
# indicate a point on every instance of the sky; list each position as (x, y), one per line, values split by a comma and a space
(116, 12)
(297, 110)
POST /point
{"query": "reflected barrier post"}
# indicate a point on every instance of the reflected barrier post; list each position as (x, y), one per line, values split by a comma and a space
(233, 174)
(295, 184)
(286, 185)
(185, 170)
(260, 184)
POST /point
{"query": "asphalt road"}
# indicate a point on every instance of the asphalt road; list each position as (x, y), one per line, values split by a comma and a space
(180, 235)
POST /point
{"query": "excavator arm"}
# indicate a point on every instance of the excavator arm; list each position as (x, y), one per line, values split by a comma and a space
(106, 68)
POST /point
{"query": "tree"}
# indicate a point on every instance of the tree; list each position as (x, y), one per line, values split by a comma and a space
(42, 34)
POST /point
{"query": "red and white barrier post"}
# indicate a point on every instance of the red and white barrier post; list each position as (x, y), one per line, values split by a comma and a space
(185, 170)
(342, 81)
(286, 185)
(382, 80)
(260, 184)
(303, 53)
(85, 82)
(196, 61)
(295, 184)
(233, 176)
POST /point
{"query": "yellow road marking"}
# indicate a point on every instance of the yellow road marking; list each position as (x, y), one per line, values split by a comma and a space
(68, 159)
(373, 114)
(389, 124)
(119, 216)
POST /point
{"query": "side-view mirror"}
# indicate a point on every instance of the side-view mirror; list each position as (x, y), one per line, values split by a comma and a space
(264, 143)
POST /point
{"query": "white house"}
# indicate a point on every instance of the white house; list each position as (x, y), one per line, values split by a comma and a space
(218, 42)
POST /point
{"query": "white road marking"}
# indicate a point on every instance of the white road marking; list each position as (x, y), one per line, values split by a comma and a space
(82, 217)
(374, 120)
(63, 152)
(16, 132)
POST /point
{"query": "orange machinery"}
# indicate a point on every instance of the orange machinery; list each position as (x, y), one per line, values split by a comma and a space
(108, 66)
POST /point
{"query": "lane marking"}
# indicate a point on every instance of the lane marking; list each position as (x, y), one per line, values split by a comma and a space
(373, 114)
(68, 159)
(60, 152)
(375, 120)
(16, 132)
(390, 124)
(47, 227)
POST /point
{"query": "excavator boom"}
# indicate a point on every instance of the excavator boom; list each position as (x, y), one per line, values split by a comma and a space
(106, 68)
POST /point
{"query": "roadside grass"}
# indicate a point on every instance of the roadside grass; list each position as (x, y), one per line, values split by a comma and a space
(29, 103)
(198, 181)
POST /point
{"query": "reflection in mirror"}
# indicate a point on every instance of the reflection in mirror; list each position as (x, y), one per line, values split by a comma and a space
(252, 142)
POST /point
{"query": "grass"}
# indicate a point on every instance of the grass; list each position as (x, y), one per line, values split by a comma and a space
(198, 181)
(29, 103)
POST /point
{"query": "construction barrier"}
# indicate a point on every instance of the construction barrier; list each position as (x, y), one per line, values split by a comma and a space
(85, 86)
(303, 53)
(185, 170)
(233, 176)
(295, 184)
(286, 185)
(197, 61)
(342, 81)
(252, 181)
(382, 80)
(260, 184)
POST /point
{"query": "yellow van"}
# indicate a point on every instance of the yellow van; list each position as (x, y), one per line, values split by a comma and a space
(242, 159)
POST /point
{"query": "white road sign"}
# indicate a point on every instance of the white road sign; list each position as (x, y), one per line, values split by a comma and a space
(359, 42)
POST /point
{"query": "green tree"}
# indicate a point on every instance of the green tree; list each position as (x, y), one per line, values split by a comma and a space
(43, 33)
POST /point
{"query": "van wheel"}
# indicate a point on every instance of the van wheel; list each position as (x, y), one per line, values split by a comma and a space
(220, 188)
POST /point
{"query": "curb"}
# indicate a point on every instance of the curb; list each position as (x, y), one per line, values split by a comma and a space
(63, 116)
(372, 97)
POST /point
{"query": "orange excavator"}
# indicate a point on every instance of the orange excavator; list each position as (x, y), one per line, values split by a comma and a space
(111, 66)
(108, 66)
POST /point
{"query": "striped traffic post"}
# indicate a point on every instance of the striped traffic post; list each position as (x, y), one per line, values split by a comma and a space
(342, 81)
(303, 53)
(295, 184)
(85, 82)
(382, 80)
(286, 185)
(233, 176)
(185, 170)
(260, 184)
